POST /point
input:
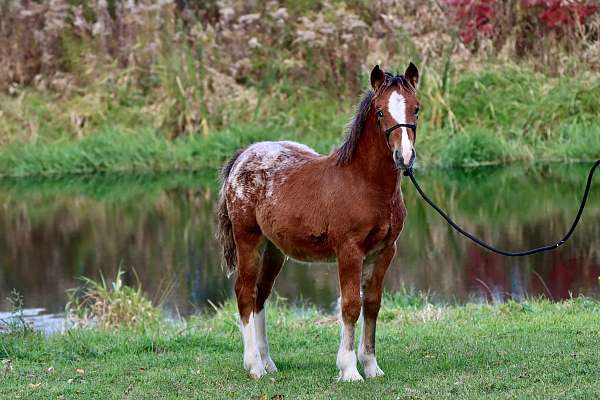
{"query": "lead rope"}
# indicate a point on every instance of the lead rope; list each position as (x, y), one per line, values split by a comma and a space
(409, 173)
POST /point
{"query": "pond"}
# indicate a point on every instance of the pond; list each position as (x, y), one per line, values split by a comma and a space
(160, 230)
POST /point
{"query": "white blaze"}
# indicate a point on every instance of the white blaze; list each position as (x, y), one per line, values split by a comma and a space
(397, 108)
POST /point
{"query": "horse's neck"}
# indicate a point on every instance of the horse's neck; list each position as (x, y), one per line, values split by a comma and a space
(373, 160)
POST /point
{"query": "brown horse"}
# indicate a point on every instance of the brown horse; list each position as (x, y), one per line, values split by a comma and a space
(282, 198)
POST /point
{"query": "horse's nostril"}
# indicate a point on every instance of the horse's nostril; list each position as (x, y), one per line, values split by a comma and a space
(413, 156)
(398, 159)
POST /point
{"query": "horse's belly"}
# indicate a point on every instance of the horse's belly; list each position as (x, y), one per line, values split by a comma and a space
(306, 240)
(308, 249)
(309, 255)
(303, 246)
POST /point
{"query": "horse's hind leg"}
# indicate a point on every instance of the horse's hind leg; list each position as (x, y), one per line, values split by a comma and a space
(271, 263)
(248, 245)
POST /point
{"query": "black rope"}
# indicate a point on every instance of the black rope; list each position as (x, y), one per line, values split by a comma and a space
(409, 173)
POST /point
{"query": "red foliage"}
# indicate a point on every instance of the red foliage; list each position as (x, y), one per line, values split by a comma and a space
(475, 17)
(558, 13)
(481, 17)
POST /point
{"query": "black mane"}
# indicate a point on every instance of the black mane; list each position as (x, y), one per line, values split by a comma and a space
(355, 128)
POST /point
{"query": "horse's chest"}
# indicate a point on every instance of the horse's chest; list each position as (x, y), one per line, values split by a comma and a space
(386, 228)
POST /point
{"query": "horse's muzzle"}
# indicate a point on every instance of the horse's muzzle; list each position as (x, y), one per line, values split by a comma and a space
(401, 163)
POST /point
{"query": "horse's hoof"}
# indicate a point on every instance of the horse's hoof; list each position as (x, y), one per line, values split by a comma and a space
(257, 373)
(270, 366)
(350, 376)
(373, 372)
(254, 365)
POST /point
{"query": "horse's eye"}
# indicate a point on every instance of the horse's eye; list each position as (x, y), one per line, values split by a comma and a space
(380, 114)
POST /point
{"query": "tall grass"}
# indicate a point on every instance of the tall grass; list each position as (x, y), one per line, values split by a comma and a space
(507, 112)
(15, 324)
(498, 124)
(110, 150)
(187, 86)
(110, 306)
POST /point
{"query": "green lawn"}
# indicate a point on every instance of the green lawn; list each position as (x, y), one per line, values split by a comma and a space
(534, 349)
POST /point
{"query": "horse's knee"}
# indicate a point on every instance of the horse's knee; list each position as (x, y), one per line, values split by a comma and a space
(245, 293)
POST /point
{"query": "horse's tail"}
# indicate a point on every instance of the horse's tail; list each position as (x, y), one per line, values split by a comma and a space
(224, 227)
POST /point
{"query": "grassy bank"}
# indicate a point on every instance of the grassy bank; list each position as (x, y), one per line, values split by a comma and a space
(489, 116)
(190, 82)
(534, 349)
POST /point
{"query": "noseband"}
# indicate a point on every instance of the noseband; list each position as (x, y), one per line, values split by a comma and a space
(389, 131)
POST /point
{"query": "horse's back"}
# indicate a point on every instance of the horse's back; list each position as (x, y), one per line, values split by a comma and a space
(263, 166)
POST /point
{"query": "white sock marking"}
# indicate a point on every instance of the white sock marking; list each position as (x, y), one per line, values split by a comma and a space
(252, 360)
(368, 360)
(346, 357)
(262, 341)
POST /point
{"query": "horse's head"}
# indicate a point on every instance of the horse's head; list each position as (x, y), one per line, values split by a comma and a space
(396, 109)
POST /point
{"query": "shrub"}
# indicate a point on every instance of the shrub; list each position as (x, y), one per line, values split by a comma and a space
(474, 148)
(110, 306)
(527, 23)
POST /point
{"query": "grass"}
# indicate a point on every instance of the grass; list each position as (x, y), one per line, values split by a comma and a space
(111, 151)
(499, 114)
(533, 349)
(15, 324)
(110, 306)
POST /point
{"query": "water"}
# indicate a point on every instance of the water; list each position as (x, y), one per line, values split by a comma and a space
(160, 228)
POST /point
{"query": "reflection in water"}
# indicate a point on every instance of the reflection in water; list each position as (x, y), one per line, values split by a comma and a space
(161, 228)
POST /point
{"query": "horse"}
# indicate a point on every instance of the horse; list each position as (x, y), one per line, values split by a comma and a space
(282, 199)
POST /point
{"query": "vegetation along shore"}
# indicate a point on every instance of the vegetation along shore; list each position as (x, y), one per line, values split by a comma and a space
(188, 83)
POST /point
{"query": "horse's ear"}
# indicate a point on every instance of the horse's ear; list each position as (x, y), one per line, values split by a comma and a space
(412, 74)
(377, 77)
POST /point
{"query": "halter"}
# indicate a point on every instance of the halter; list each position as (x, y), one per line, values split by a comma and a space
(389, 131)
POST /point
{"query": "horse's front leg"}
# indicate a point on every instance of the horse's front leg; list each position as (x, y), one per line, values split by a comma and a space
(372, 285)
(350, 262)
